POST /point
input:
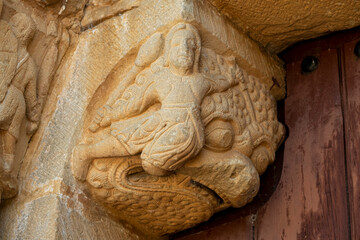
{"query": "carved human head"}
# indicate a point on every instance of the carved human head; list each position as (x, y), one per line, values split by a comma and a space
(182, 47)
(23, 27)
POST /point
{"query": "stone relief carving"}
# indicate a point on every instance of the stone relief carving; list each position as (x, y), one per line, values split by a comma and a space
(23, 89)
(17, 92)
(185, 134)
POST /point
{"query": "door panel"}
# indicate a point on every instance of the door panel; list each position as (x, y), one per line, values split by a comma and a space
(240, 228)
(310, 200)
(351, 81)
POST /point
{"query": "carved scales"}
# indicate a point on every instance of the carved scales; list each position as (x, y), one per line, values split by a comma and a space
(185, 134)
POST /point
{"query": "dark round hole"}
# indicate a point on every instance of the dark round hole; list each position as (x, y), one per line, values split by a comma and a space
(357, 49)
(309, 64)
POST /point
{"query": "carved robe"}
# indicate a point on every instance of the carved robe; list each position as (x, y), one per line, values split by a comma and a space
(20, 98)
(169, 136)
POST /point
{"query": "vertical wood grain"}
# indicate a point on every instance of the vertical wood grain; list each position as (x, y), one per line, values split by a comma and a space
(351, 81)
(310, 201)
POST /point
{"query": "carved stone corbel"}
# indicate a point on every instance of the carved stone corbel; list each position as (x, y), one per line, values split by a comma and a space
(186, 133)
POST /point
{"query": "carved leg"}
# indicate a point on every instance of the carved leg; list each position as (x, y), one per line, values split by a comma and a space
(12, 110)
(154, 170)
(17, 106)
(8, 180)
(9, 143)
(6, 112)
(84, 154)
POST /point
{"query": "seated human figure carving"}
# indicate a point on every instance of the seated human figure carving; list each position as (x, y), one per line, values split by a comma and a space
(188, 114)
(173, 134)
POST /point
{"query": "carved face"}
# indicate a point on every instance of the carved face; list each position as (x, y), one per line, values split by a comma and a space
(23, 27)
(182, 50)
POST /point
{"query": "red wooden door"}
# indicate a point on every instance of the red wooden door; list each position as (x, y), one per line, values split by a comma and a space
(351, 86)
(318, 195)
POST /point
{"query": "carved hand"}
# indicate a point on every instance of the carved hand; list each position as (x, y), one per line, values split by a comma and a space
(101, 114)
(106, 121)
(31, 127)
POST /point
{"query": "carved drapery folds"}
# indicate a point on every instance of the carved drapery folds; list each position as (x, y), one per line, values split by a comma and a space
(185, 134)
(18, 97)
(24, 87)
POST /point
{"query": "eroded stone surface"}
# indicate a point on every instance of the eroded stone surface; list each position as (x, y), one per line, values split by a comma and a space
(279, 24)
(98, 11)
(46, 207)
(55, 211)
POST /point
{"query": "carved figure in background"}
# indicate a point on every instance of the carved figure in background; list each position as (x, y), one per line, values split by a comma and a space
(171, 135)
(20, 97)
(18, 92)
(25, 79)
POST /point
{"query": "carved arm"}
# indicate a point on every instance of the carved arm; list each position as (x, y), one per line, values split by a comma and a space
(219, 83)
(136, 99)
(33, 109)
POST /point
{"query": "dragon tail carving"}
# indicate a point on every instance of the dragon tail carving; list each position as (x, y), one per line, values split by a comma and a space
(141, 198)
